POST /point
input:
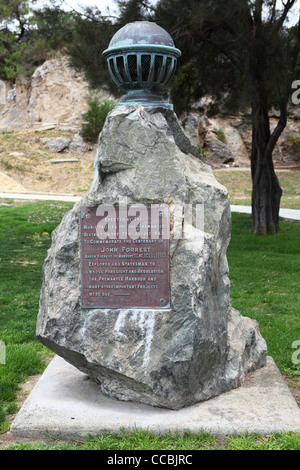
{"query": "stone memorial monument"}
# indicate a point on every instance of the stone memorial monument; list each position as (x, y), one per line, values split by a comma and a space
(136, 290)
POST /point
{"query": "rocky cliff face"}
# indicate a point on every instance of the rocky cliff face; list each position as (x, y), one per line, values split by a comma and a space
(55, 95)
(226, 141)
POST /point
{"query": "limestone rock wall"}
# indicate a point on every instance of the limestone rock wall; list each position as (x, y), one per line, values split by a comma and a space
(226, 141)
(55, 94)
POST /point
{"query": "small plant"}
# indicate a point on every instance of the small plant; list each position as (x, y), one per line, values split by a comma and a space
(295, 145)
(221, 136)
(7, 165)
(202, 152)
(295, 142)
(94, 118)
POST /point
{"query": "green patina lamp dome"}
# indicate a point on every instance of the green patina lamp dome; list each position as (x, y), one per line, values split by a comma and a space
(142, 59)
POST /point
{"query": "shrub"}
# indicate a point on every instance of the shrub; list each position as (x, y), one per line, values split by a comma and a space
(295, 145)
(94, 118)
(221, 136)
(202, 152)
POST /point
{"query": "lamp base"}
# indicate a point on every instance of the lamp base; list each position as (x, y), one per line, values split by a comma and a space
(145, 98)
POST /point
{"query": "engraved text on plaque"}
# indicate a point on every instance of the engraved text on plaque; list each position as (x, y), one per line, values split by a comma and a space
(125, 257)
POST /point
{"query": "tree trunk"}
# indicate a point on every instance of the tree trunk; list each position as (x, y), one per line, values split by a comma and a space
(266, 195)
(266, 189)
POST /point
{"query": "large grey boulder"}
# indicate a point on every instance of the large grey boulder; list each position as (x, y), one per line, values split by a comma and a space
(199, 347)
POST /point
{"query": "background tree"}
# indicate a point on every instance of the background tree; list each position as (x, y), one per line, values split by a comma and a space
(28, 35)
(91, 36)
(53, 26)
(133, 10)
(15, 41)
(92, 33)
(243, 56)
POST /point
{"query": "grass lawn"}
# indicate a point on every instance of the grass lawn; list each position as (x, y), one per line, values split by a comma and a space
(239, 186)
(264, 274)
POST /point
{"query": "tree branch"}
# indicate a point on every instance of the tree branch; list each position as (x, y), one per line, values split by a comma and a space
(287, 7)
(150, 7)
(285, 96)
(21, 23)
(257, 13)
(278, 129)
(89, 17)
(273, 11)
(296, 48)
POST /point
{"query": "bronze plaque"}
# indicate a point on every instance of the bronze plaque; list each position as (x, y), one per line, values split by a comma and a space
(125, 257)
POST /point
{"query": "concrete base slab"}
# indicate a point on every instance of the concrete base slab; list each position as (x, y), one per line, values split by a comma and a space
(68, 405)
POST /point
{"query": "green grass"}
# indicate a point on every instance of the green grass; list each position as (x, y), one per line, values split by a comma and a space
(239, 187)
(145, 440)
(24, 239)
(264, 274)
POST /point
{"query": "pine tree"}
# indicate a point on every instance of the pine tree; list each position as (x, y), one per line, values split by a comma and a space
(28, 35)
(54, 26)
(15, 38)
(94, 118)
(91, 36)
(133, 10)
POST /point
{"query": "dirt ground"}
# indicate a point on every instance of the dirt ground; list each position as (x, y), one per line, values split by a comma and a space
(27, 165)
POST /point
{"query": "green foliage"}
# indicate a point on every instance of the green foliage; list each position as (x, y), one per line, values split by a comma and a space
(184, 87)
(16, 10)
(27, 36)
(277, 441)
(202, 152)
(2, 416)
(221, 136)
(144, 439)
(133, 10)
(233, 50)
(295, 145)
(295, 142)
(94, 118)
(91, 35)
(14, 40)
(54, 26)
